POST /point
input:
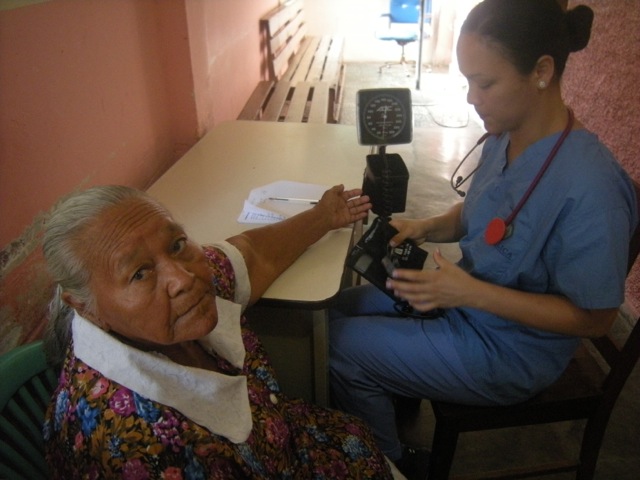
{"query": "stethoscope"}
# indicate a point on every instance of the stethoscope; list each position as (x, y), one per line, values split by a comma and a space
(498, 229)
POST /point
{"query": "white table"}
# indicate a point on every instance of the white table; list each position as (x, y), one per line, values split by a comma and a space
(205, 191)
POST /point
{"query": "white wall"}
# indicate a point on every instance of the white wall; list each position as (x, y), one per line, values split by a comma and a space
(356, 21)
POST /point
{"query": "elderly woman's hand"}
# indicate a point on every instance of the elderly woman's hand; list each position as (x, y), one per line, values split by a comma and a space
(343, 207)
(269, 250)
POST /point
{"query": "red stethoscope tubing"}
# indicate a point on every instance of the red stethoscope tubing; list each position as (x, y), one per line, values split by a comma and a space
(498, 229)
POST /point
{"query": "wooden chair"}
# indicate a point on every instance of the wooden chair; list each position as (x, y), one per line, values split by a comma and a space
(27, 384)
(584, 392)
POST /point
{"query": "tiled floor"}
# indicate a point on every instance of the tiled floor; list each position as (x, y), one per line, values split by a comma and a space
(445, 129)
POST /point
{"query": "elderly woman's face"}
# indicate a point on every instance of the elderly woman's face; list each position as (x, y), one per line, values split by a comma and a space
(151, 283)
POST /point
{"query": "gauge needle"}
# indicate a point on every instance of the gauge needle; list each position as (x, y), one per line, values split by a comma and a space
(384, 121)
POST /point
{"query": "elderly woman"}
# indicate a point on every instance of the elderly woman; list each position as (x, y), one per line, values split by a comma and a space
(161, 378)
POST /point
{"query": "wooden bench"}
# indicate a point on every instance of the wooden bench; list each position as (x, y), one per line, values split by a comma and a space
(306, 73)
(287, 102)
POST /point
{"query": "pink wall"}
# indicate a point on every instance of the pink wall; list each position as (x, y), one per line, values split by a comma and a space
(225, 51)
(601, 83)
(84, 101)
(96, 92)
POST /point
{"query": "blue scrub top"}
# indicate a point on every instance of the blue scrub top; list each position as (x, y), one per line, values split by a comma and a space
(570, 238)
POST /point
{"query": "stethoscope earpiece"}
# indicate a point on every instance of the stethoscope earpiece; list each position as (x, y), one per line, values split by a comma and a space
(462, 180)
(459, 181)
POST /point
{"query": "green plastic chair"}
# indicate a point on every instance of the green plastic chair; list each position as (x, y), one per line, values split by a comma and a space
(27, 384)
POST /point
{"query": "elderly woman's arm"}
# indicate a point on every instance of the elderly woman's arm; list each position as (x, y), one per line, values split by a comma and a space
(270, 250)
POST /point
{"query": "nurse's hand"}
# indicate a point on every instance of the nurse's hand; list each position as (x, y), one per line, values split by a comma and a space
(408, 228)
(447, 286)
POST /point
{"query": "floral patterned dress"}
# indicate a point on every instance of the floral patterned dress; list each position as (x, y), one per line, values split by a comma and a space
(97, 428)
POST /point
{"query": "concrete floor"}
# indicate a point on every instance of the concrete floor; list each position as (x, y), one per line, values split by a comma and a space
(444, 129)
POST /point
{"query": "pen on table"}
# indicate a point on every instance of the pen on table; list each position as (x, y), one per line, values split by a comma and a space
(296, 200)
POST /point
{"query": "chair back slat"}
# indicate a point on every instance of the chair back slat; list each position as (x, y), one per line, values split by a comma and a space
(634, 248)
(29, 383)
(607, 349)
(21, 450)
(25, 472)
(21, 419)
(627, 358)
(634, 244)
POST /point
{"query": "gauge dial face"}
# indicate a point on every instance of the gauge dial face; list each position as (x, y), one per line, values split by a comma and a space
(384, 116)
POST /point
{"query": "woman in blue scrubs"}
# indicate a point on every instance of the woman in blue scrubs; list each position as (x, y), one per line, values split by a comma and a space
(544, 231)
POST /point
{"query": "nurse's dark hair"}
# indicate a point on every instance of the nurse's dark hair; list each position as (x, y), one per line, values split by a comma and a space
(526, 30)
(64, 243)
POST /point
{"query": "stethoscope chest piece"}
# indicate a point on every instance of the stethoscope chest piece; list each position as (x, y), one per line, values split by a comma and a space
(496, 231)
(499, 229)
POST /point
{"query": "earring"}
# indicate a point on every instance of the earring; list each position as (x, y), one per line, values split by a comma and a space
(542, 84)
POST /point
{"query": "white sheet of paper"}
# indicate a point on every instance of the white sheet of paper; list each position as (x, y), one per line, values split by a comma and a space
(260, 208)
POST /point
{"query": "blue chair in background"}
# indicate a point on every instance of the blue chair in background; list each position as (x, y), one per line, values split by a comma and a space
(401, 25)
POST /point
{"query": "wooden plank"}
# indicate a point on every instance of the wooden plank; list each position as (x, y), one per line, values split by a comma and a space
(298, 104)
(257, 101)
(284, 64)
(281, 39)
(279, 16)
(339, 94)
(337, 48)
(317, 67)
(285, 30)
(333, 64)
(274, 108)
(320, 104)
(300, 65)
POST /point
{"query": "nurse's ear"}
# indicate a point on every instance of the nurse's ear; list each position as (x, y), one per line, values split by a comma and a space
(543, 72)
